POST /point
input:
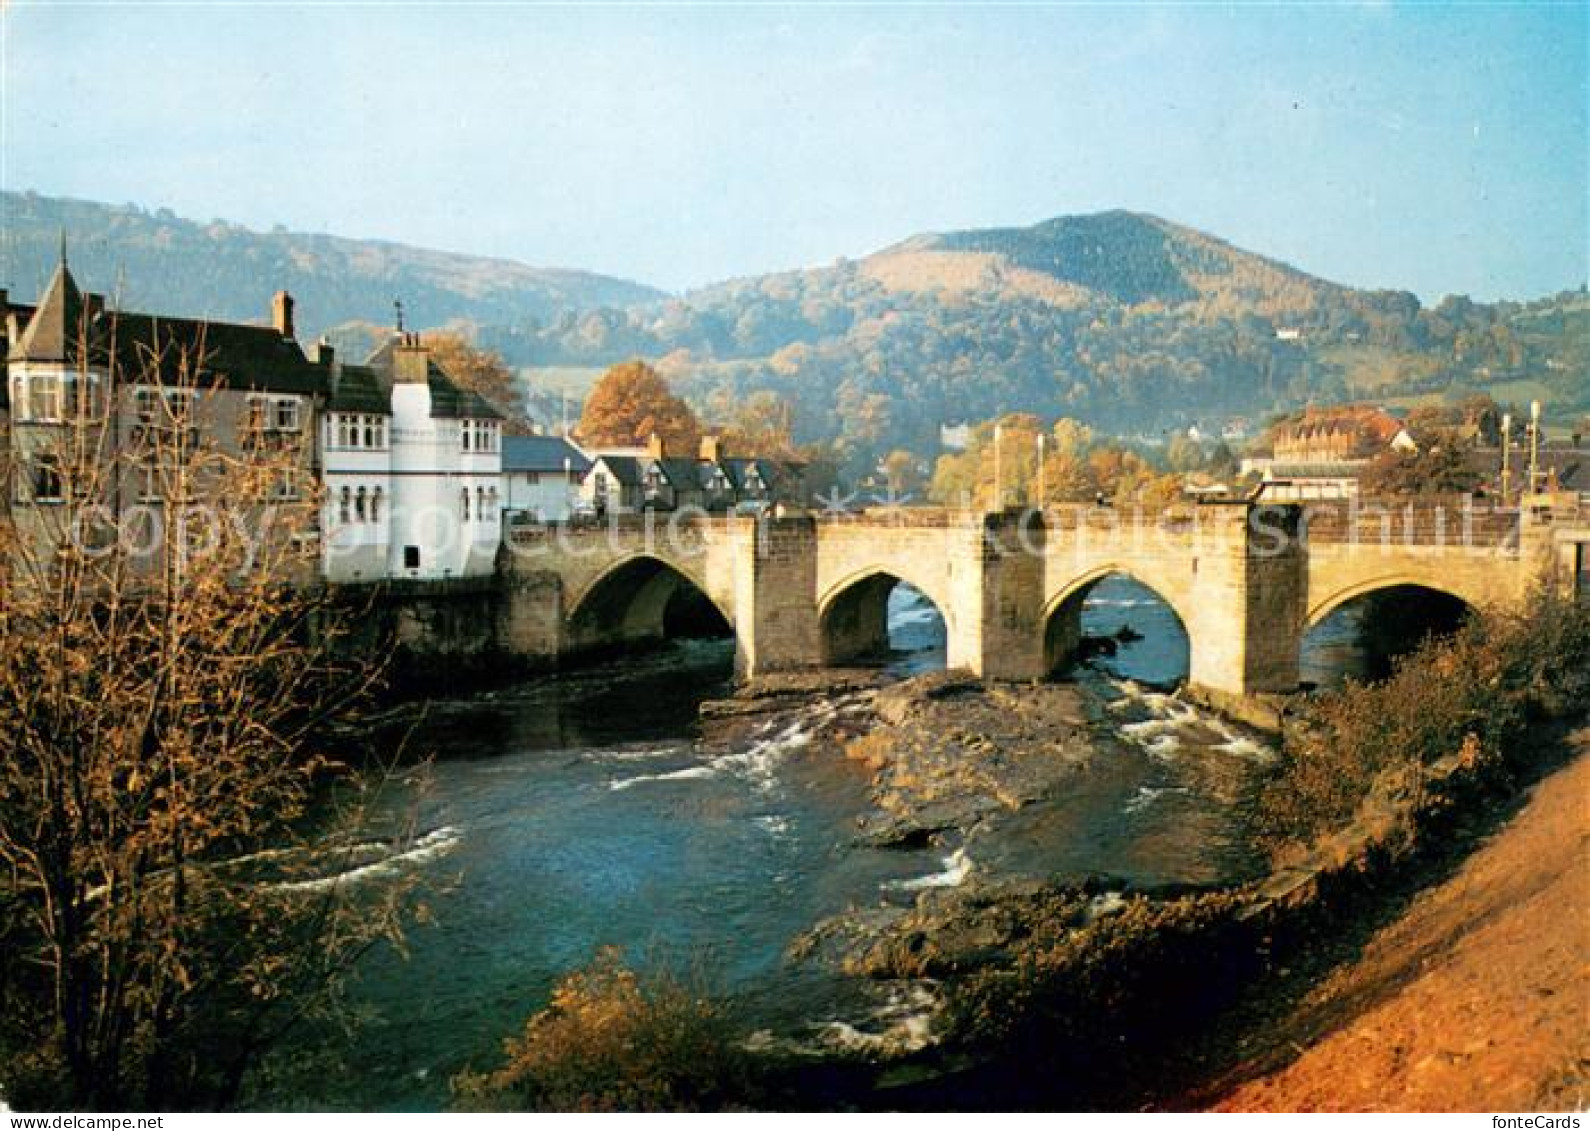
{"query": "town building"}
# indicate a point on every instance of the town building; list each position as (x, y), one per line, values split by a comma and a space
(541, 477)
(1321, 453)
(405, 465)
(413, 469)
(627, 480)
(151, 392)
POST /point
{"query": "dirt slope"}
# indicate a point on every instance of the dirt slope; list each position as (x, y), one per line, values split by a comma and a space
(1476, 999)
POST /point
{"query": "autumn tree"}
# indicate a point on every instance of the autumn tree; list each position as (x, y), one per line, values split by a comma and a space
(1076, 467)
(763, 424)
(1439, 467)
(163, 687)
(631, 403)
(484, 373)
(902, 473)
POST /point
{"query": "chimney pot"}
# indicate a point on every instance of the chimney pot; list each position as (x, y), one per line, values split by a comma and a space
(282, 313)
(324, 353)
(654, 446)
(711, 449)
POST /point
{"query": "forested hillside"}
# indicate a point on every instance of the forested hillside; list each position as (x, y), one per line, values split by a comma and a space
(1123, 320)
(161, 262)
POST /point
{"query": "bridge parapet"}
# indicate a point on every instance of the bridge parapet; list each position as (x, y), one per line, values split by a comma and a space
(1457, 524)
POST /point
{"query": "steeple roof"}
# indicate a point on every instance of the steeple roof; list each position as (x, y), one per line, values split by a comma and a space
(56, 328)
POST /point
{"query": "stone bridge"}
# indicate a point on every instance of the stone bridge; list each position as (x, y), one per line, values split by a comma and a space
(805, 591)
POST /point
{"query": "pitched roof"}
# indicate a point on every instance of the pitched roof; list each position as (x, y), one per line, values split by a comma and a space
(542, 453)
(625, 469)
(359, 388)
(56, 325)
(449, 399)
(150, 347)
(684, 474)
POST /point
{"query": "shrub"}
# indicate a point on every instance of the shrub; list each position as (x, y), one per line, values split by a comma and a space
(615, 1040)
(1473, 692)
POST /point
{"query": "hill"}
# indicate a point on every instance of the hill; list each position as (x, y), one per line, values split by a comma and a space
(221, 270)
(1127, 321)
(1130, 322)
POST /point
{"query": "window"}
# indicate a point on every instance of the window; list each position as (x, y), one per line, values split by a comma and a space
(480, 504)
(344, 430)
(284, 414)
(411, 557)
(369, 430)
(531, 478)
(146, 405)
(179, 403)
(466, 504)
(380, 431)
(361, 505)
(344, 509)
(80, 393)
(146, 480)
(256, 414)
(44, 397)
(48, 485)
(286, 486)
(491, 498)
(375, 505)
(468, 434)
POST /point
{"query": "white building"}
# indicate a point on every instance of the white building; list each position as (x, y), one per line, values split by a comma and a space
(413, 470)
(541, 477)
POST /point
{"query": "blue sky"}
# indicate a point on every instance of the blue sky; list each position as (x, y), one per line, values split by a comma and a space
(1434, 148)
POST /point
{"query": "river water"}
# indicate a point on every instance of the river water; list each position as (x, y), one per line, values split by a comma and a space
(579, 811)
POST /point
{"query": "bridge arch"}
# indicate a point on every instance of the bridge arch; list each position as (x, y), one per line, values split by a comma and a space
(853, 616)
(1322, 607)
(1360, 629)
(1061, 617)
(642, 597)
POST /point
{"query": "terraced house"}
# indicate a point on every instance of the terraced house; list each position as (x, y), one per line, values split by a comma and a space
(398, 467)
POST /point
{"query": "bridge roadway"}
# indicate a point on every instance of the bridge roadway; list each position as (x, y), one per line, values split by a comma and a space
(802, 591)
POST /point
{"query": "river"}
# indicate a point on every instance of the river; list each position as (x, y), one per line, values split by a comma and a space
(578, 811)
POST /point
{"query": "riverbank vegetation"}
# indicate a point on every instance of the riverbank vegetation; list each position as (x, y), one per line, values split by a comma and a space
(1476, 691)
(613, 1039)
(1373, 778)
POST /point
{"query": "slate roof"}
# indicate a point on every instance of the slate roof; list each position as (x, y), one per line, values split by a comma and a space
(625, 469)
(684, 474)
(136, 347)
(542, 453)
(359, 388)
(448, 399)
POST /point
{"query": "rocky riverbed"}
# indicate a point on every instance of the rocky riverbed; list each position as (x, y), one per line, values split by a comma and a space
(982, 774)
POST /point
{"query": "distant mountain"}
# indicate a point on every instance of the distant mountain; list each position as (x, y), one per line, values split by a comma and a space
(1125, 257)
(1127, 321)
(1124, 320)
(161, 262)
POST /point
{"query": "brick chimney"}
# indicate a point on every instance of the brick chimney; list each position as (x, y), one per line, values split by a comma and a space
(324, 353)
(411, 361)
(282, 313)
(654, 447)
(711, 449)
